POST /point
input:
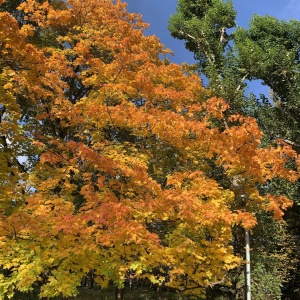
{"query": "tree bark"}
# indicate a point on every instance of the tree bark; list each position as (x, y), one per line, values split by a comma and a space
(119, 294)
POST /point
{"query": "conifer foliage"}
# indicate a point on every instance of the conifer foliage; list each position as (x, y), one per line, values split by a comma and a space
(109, 156)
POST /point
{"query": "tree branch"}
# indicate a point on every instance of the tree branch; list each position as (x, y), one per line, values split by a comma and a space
(242, 81)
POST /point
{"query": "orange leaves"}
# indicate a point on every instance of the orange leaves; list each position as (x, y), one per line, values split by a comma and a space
(216, 107)
(130, 164)
(241, 142)
(277, 204)
(159, 82)
(51, 158)
(44, 14)
(12, 39)
(275, 161)
(195, 200)
(238, 150)
(246, 219)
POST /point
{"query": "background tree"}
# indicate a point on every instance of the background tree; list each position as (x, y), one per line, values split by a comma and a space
(206, 26)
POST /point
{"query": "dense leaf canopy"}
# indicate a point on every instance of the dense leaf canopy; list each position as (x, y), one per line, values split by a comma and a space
(109, 157)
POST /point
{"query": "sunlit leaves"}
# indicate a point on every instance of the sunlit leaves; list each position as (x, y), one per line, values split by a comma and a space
(121, 150)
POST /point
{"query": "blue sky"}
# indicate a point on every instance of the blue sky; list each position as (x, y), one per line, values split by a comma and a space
(157, 13)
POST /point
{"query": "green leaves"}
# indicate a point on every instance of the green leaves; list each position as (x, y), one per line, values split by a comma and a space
(203, 25)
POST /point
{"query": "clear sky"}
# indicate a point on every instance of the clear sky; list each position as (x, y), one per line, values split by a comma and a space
(157, 13)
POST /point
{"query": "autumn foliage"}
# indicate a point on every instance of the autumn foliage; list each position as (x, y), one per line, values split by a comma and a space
(114, 159)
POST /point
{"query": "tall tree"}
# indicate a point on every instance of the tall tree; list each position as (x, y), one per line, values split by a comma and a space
(93, 114)
(206, 27)
(269, 51)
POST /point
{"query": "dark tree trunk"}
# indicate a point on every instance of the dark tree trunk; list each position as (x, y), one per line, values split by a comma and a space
(119, 294)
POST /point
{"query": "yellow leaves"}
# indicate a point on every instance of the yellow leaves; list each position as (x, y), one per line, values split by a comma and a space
(28, 275)
(8, 86)
(108, 122)
(212, 258)
(28, 30)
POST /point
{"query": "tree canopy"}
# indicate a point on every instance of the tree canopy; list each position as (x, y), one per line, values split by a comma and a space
(115, 160)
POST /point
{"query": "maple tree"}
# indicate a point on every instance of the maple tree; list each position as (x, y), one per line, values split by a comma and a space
(120, 149)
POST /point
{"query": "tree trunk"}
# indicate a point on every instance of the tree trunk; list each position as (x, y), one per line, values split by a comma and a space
(119, 294)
